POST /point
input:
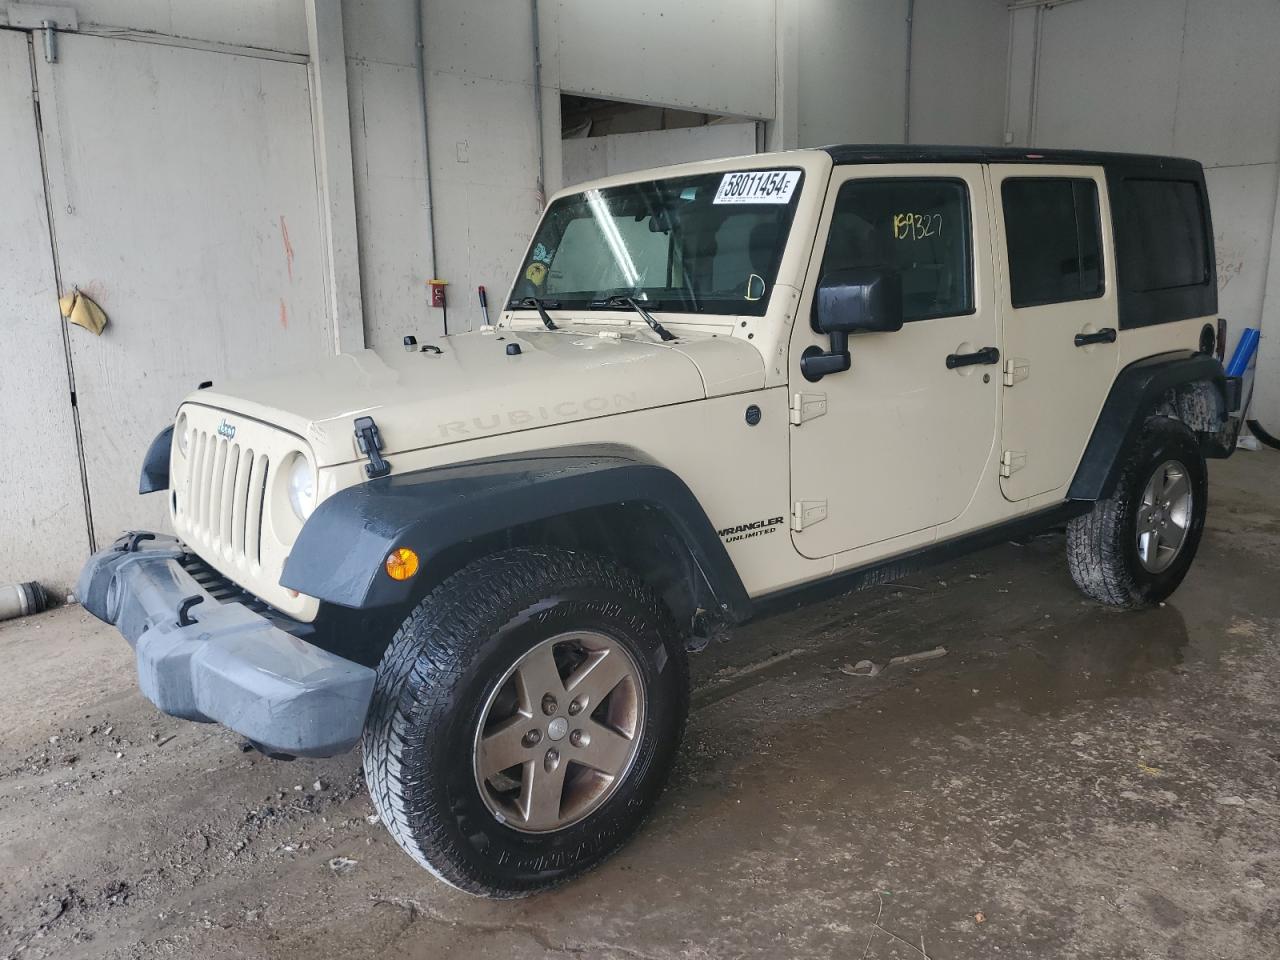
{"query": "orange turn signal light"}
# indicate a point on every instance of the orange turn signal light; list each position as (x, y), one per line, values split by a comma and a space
(402, 563)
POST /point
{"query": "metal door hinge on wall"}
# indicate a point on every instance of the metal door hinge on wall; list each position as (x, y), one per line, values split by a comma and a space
(1011, 461)
(46, 18)
(807, 406)
(1015, 369)
(805, 513)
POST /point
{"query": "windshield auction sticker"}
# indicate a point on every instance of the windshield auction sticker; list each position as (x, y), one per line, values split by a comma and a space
(758, 186)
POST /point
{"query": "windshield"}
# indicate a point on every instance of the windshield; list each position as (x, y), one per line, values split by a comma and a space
(703, 244)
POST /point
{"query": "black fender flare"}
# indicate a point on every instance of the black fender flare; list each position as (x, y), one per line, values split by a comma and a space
(340, 553)
(155, 465)
(1137, 389)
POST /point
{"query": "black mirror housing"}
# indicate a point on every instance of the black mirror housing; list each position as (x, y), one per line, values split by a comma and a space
(853, 300)
(858, 300)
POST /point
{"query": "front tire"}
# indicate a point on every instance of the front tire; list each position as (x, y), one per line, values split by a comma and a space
(1133, 548)
(525, 719)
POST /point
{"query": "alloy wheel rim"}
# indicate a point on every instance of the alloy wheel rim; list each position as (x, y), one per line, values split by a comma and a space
(559, 732)
(1164, 516)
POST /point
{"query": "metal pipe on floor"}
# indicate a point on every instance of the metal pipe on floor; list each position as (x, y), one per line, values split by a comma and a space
(22, 599)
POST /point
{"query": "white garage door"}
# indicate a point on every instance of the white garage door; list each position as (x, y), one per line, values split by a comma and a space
(184, 197)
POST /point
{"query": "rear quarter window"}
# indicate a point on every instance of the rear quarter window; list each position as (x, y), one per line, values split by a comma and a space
(1167, 224)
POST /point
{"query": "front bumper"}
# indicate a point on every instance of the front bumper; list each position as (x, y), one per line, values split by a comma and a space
(227, 664)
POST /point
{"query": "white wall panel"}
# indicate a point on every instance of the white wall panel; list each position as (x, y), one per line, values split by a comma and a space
(267, 24)
(184, 194)
(716, 57)
(959, 50)
(1109, 75)
(391, 210)
(484, 147)
(1242, 199)
(593, 157)
(852, 71)
(43, 531)
(1229, 83)
(1267, 393)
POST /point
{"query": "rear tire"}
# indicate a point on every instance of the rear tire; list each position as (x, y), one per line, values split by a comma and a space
(489, 685)
(1133, 548)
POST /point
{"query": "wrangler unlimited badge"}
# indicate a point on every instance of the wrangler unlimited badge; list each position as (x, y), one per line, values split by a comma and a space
(744, 531)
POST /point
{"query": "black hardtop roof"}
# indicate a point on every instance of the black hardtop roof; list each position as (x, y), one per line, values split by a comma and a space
(847, 153)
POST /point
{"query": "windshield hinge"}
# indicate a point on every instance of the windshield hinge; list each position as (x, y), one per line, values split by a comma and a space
(807, 406)
(369, 440)
(805, 513)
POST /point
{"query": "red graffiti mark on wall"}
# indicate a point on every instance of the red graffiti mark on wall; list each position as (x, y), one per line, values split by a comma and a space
(284, 315)
(288, 247)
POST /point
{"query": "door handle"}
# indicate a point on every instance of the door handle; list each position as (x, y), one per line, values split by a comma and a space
(985, 355)
(1105, 335)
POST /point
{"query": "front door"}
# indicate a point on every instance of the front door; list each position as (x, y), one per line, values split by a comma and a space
(1060, 320)
(898, 443)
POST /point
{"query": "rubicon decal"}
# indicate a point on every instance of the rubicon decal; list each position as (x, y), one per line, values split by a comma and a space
(745, 531)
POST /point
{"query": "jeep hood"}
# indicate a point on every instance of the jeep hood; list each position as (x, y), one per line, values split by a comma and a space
(473, 387)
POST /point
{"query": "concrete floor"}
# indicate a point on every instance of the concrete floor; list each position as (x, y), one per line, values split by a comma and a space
(1092, 783)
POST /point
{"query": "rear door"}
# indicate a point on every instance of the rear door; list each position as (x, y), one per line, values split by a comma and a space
(1060, 321)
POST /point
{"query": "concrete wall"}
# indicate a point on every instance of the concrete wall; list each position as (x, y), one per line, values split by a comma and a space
(959, 51)
(715, 57)
(1190, 77)
(852, 71)
(590, 158)
(852, 74)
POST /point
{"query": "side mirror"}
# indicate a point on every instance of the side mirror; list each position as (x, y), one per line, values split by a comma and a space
(854, 300)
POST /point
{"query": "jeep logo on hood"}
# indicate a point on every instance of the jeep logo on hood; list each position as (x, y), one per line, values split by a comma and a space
(226, 429)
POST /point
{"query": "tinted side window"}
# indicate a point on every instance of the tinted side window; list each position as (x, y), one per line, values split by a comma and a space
(920, 228)
(1054, 240)
(1166, 218)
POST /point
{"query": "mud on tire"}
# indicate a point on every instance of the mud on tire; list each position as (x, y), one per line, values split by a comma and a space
(441, 674)
(1103, 546)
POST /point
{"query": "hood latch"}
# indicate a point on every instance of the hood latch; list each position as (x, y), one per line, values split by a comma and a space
(369, 440)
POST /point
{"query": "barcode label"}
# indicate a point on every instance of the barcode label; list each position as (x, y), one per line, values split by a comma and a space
(758, 186)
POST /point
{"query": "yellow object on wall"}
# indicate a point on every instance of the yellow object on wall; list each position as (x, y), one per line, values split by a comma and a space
(83, 312)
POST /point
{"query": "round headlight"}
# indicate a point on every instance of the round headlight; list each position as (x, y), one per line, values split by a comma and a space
(302, 486)
(182, 430)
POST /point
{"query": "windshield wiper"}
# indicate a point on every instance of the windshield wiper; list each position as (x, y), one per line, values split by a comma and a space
(542, 311)
(619, 300)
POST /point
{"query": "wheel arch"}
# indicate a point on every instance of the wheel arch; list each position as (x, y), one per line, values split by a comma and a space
(611, 502)
(1183, 385)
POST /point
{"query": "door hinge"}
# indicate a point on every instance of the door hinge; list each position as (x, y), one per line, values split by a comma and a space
(807, 406)
(805, 513)
(1015, 369)
(1011, 461)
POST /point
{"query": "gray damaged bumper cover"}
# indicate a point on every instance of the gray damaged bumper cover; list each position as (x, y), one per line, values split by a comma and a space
(231, 666)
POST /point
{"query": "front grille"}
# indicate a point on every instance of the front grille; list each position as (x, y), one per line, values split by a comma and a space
(228, 591)
(225, 493)
(223, 504)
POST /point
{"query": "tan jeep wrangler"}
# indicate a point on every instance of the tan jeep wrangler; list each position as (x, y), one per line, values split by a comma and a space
(715, 389)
